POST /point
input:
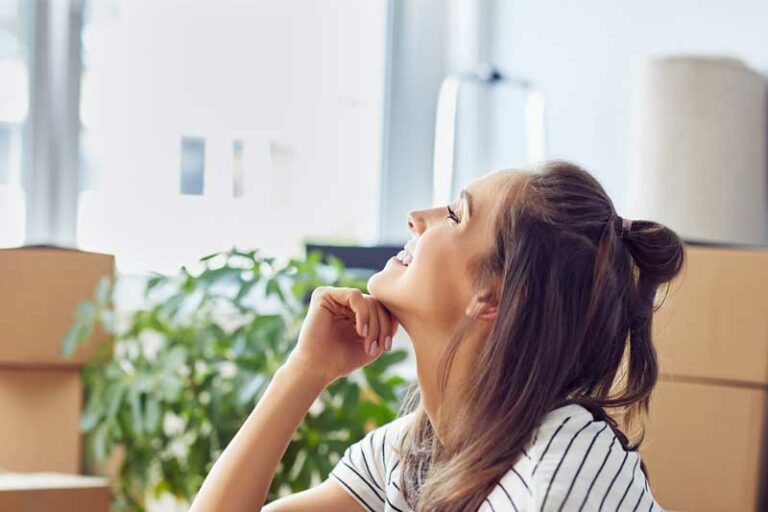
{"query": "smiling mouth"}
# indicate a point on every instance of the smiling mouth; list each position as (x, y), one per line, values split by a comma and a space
(404, 257)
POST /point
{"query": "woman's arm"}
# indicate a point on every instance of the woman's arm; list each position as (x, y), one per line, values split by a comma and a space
(337, 336)
(241, 476)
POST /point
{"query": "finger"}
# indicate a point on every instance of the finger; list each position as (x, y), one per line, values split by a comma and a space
(395, 326)
(354, 299)
(373, 324)
(385, 326)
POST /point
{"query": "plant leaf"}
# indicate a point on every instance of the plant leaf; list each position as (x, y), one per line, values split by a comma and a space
(70, 340)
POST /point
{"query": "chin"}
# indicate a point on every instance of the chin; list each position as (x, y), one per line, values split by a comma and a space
(384, 290)
(375, 285)
(383, 286)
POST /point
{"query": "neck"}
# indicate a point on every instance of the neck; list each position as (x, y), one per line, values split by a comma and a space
(428, 344)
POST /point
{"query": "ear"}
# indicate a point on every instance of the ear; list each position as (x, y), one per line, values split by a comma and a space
(481, 309)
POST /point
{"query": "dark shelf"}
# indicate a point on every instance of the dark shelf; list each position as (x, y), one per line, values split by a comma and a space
(359, 259)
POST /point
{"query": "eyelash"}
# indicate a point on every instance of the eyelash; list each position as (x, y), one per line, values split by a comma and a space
(451, 213)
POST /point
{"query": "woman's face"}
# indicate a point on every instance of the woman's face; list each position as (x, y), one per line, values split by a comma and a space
(436, 286)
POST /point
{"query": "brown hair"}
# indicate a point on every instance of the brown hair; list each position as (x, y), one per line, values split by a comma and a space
(575, 305)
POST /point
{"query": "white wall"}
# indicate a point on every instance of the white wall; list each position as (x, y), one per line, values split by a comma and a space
(586, 54)
(299, 82)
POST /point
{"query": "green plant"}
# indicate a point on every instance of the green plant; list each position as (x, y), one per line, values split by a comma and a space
(176, 381)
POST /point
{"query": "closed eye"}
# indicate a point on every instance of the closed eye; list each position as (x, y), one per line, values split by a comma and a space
(452, 215)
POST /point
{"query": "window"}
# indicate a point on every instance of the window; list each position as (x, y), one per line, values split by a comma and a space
(14, 101)
(212, 124)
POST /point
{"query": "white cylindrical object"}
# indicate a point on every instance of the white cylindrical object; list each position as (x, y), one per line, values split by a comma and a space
(698, 146)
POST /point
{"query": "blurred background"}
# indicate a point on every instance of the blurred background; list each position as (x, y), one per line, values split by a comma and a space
(176, 176)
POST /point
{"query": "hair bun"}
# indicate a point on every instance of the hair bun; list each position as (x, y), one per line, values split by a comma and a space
(657, 250)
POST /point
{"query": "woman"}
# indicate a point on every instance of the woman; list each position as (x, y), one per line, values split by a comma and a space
(528, 302)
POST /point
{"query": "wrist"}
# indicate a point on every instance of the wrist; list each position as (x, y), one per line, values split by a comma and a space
(300, 368)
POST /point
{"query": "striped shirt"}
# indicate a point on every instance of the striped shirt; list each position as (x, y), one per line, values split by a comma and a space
(573, 463)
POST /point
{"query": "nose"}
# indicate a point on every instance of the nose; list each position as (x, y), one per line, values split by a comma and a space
(416, 224)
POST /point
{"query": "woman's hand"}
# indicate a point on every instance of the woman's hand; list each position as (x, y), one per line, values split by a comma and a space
(333, 339)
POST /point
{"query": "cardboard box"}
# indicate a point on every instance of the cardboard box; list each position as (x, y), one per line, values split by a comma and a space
(714, 321)
(53, 492)
(40, 411)
(705, 446)
(42, 287)
(706, 441)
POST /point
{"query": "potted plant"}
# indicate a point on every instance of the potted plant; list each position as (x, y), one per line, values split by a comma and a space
(180, 375)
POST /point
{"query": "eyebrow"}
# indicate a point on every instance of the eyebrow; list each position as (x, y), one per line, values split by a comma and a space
(468, 198)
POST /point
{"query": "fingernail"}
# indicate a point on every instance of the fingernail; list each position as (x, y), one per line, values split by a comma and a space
(365, 330)
(373, 347)
(388, 343)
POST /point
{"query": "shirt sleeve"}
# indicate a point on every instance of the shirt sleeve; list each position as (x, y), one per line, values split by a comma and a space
(583, 466)
(361, 470)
